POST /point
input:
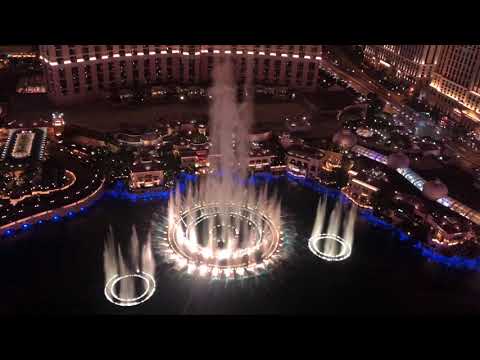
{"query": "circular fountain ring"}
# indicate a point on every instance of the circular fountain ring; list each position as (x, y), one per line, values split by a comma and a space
(114, 298)
(265, 238)
(344, 252)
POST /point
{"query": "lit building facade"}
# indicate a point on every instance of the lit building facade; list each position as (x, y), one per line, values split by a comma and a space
(308, 162)
(412, 63)
(455, 84)
(146, 173)
(449, 230)
(304, 162)
(359, 192)
(76, 73)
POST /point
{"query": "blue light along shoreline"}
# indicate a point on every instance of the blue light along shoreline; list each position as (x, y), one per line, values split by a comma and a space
(54, 218)
(120, 191)
(457, 262)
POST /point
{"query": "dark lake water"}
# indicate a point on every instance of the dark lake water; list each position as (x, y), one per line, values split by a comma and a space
(57, 268)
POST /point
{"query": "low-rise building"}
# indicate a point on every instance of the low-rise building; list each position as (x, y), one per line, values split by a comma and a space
(24, 145)
(360, 191)
(147, 138)
(449, 230)
(147, 172)
(306, 161)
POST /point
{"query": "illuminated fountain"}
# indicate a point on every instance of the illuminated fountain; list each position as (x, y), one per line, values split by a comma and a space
(129, 280)
(222, 227)
(223, 233)
(332, 237)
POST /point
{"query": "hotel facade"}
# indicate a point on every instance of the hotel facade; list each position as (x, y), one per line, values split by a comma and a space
(413, 63)
(455, 85)
(76, 73)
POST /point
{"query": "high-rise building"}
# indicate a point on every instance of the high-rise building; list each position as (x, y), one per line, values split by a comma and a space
(76, 73)
(412, 63)
(455, 84)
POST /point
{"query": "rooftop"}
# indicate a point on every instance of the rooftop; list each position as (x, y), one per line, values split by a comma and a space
(24, 145)
(304, 151)
(147, 164)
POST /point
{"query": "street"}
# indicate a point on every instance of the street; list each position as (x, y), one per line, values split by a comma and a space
(362, 81)
(464, 158)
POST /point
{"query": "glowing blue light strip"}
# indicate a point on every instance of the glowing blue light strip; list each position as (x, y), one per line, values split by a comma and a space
(451, 261)
(455, 261)
(53, 218)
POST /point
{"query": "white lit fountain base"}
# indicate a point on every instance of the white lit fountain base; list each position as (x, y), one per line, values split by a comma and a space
(223, 241)
(329, 247)
(112, 295)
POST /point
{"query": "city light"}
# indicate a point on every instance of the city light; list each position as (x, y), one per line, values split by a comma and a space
(221, 175)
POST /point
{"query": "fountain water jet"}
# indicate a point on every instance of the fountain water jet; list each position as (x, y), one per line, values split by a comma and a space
(221, 226)
(123, 274)
(332, 239)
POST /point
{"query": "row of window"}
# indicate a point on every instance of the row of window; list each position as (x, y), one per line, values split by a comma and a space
(123, 66)
(458, 62)
(120, 78)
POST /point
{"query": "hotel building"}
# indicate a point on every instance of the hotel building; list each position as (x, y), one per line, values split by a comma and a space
(412, 63)
(77, 73)
(455, 84)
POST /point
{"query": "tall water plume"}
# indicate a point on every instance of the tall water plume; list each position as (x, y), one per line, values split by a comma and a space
(229, 127)
(221, 216)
